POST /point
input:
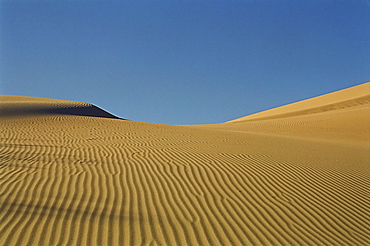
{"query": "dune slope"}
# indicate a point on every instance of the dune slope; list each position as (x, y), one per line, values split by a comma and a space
(347, 98)
(17, 106)
(69, 179)
(342, 116)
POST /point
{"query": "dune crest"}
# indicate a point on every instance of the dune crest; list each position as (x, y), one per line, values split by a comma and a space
(350, 97)
(341, 117)
(27, 106)
(71, 179)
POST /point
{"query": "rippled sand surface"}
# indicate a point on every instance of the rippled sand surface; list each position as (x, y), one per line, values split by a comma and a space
(73, 174)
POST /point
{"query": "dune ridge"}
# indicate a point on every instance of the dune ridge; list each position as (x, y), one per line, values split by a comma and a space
(339, 117)
(24, 106)
(70, 179)
(350, 97)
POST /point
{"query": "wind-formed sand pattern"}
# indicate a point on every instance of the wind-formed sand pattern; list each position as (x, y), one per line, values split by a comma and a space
(72, 174)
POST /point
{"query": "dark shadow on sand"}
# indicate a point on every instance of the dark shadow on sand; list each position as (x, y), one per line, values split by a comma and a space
(91, 111)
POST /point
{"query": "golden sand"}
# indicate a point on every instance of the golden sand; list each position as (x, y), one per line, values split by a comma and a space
(72, 174)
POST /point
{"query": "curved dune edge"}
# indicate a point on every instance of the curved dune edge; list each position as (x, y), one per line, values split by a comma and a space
(13, 106)
(77, 180)
(339, 117)
(350, 97)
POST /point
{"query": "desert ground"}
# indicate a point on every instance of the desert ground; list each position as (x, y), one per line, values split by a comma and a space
(73, 174)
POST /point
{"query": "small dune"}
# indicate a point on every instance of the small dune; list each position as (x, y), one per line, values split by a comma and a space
(344, 99)
(342, 116)
(13, 106)
(72, 174)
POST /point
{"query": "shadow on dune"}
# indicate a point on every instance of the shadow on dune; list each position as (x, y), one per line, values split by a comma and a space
(21, 110)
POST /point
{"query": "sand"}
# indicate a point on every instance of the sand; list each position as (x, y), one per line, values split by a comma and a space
(73, 174)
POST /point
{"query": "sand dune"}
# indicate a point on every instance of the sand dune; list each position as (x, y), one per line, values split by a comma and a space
(351, 97)
(16, 106)
(341, 116)
(297, 175)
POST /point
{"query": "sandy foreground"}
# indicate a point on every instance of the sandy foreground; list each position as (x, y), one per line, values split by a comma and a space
(73, 174)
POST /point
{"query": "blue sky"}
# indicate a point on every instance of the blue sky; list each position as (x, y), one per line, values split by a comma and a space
(183, 62)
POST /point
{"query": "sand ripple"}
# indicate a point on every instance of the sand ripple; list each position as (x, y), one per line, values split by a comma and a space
(77, 180)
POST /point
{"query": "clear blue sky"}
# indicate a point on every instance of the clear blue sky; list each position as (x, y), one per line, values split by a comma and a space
(183, 62)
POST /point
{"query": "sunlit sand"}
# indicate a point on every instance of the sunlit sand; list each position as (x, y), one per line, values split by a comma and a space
(73, 174)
